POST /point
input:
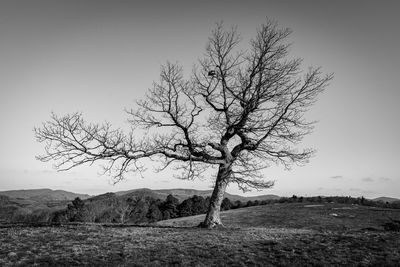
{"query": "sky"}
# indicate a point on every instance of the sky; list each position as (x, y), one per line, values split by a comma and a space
(99, 57)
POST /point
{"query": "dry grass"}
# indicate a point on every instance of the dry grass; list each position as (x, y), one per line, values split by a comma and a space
(324, 217)
(257, 236)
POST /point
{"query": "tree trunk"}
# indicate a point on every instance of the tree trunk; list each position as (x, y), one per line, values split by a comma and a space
(122, 217)
(213, 214)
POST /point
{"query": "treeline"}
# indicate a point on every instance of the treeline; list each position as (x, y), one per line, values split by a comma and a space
(110, 208)
(341, 200)
(136, 210)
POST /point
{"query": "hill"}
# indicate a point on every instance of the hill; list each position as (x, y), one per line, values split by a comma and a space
(329, 216)
(386, 199)
(183, 194)
(43, 195)
(16, 205)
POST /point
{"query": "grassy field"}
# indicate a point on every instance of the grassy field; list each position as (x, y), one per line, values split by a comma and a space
(271, 235)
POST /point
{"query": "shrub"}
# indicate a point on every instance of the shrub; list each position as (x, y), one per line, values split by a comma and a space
(226, 204)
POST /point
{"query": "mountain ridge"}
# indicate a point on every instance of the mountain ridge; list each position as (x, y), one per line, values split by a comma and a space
(386, 199)
(43, 194)
(182, 194)
(48, 195)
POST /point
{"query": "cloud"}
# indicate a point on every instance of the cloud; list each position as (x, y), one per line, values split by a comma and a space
(367, 179)
(370, 179)
(336, 177)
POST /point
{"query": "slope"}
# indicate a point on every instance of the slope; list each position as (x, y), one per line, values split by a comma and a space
(329, 216)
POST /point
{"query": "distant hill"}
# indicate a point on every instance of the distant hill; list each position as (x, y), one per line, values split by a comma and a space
(101, 197)
(183, 194)
(162, 194)
(49, 195)
(386, 199)
(16, 204)
(42, 195)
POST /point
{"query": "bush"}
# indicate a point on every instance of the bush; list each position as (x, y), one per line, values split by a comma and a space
(193, 206)
(226, 204)
(393, 225)
(154, 214)
(237, 204)
(169, 207)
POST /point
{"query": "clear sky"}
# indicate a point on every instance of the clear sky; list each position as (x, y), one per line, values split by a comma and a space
(98, 57)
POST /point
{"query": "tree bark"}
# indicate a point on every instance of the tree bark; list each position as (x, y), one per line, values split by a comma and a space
(213, 218)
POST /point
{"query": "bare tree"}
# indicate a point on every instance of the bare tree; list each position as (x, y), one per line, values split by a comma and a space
(123, 207)
(239, 112)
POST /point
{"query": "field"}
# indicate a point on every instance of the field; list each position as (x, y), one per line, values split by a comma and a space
(273, 235)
